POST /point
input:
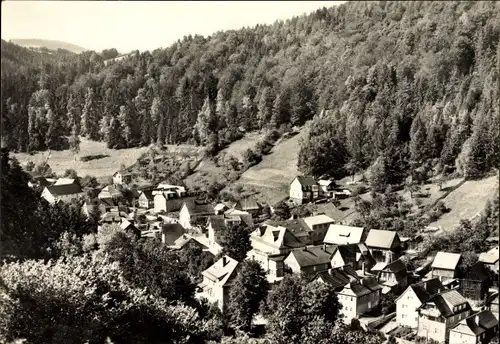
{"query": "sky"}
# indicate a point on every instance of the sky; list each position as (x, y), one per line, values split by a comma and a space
(141, 25)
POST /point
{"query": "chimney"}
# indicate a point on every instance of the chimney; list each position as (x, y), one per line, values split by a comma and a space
(363, 268)
(324, 247)
(362, 281)
(305, 248)
(476, 319)
(424, 284)
(224, 260)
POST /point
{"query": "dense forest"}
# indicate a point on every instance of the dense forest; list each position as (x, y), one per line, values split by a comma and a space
(391, 85)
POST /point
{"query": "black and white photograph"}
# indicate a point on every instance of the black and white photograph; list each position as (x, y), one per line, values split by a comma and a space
(249, 172)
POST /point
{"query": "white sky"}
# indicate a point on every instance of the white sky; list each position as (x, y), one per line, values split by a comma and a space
(142, 25)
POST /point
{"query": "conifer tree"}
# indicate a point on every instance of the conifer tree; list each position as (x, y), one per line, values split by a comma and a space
(90, 116)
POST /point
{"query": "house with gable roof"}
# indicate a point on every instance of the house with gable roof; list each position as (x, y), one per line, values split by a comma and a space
(384, 246)
(304, 189)
(270, 245)
(309, 259)
(412, 298)
(344, 235)
(475, 282)
(355, 255)
(356, 294)
(62, 192)
(445, 266)
(393, 276)
(491, 258)
(146, 199)
(440, 313)
(171, 232)
(218, 280)
(249, 205)
(194, 212)
(479, 328)
(318, 226)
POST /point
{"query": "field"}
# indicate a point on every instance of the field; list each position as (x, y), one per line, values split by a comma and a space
(273, 175)
(103, 167)
(467, 201)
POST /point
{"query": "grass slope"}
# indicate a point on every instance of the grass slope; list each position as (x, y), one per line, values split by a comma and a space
(467, 201)
(100, 168)
(272, 176)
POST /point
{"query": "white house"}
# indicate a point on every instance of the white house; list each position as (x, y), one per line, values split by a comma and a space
(65, 193)
(304, 189)
(412, 298)
(120, 178)
(217, 281)
(318, 226)
(479, 328)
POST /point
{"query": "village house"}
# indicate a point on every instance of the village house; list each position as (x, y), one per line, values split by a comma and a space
(490, 259)
(238, 217)
(109, 192)
(220, 208)
(344, 235)
(440, 313)
(479, 328)
(249, 205)
(120, 178)
(217, 281)
(393, 276)
(303, 189)
(194, 213)
(297, 227)
(129, 227)
(166, 203)
(359, 297)
(146, 199)
(384, 246)
(355, 255)
(270, 245)
(309, 259)
(356, 294)
(475, 282)
(172, 190)
(326, 188)
(318, 226)
(216, 225)
(186, 241)
(64, 193)
(171, 232)
(105, 205)
(445, 266)
(412, 298)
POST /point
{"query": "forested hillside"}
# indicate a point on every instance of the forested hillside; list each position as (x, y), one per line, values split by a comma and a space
(402, 85)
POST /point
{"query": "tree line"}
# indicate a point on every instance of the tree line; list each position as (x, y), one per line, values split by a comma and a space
(401, 85)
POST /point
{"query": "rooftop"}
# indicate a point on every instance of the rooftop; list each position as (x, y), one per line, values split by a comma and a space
(317, 220)
(381, 239)
(490, 257)
(341, 235)
(306, 180)
(313, 255)
(171, 232)
(65, 189)
(478, 323)
(446, 260)
(221, 270)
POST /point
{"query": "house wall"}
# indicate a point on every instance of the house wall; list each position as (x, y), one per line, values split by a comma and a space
(368, 302)
(462, 338)
(296, 194)
(48, 196)
(349, 309)
(443, 274)
(474, 290)
(319, 231)
(185, 217)
(337, 260)
(291, 263)
(160, 203)
(259, 257)
(406, 309)
(143, 201)
(431, 329)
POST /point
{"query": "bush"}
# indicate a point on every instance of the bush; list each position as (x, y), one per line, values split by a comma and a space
(250, 158)
(358, 190)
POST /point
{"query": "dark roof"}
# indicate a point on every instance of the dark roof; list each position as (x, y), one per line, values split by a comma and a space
(451, 296)
(196, 207)
(66, 189)
(425, 289)
(147, 193)
(172, 232)
(297, 226)
(398, 268)
(107, 202)
(218, 223)
(365, 286)
(41, 180)
(348, 252)
(306, 180)
(486, 321)
(476, 272)
(313, 255)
